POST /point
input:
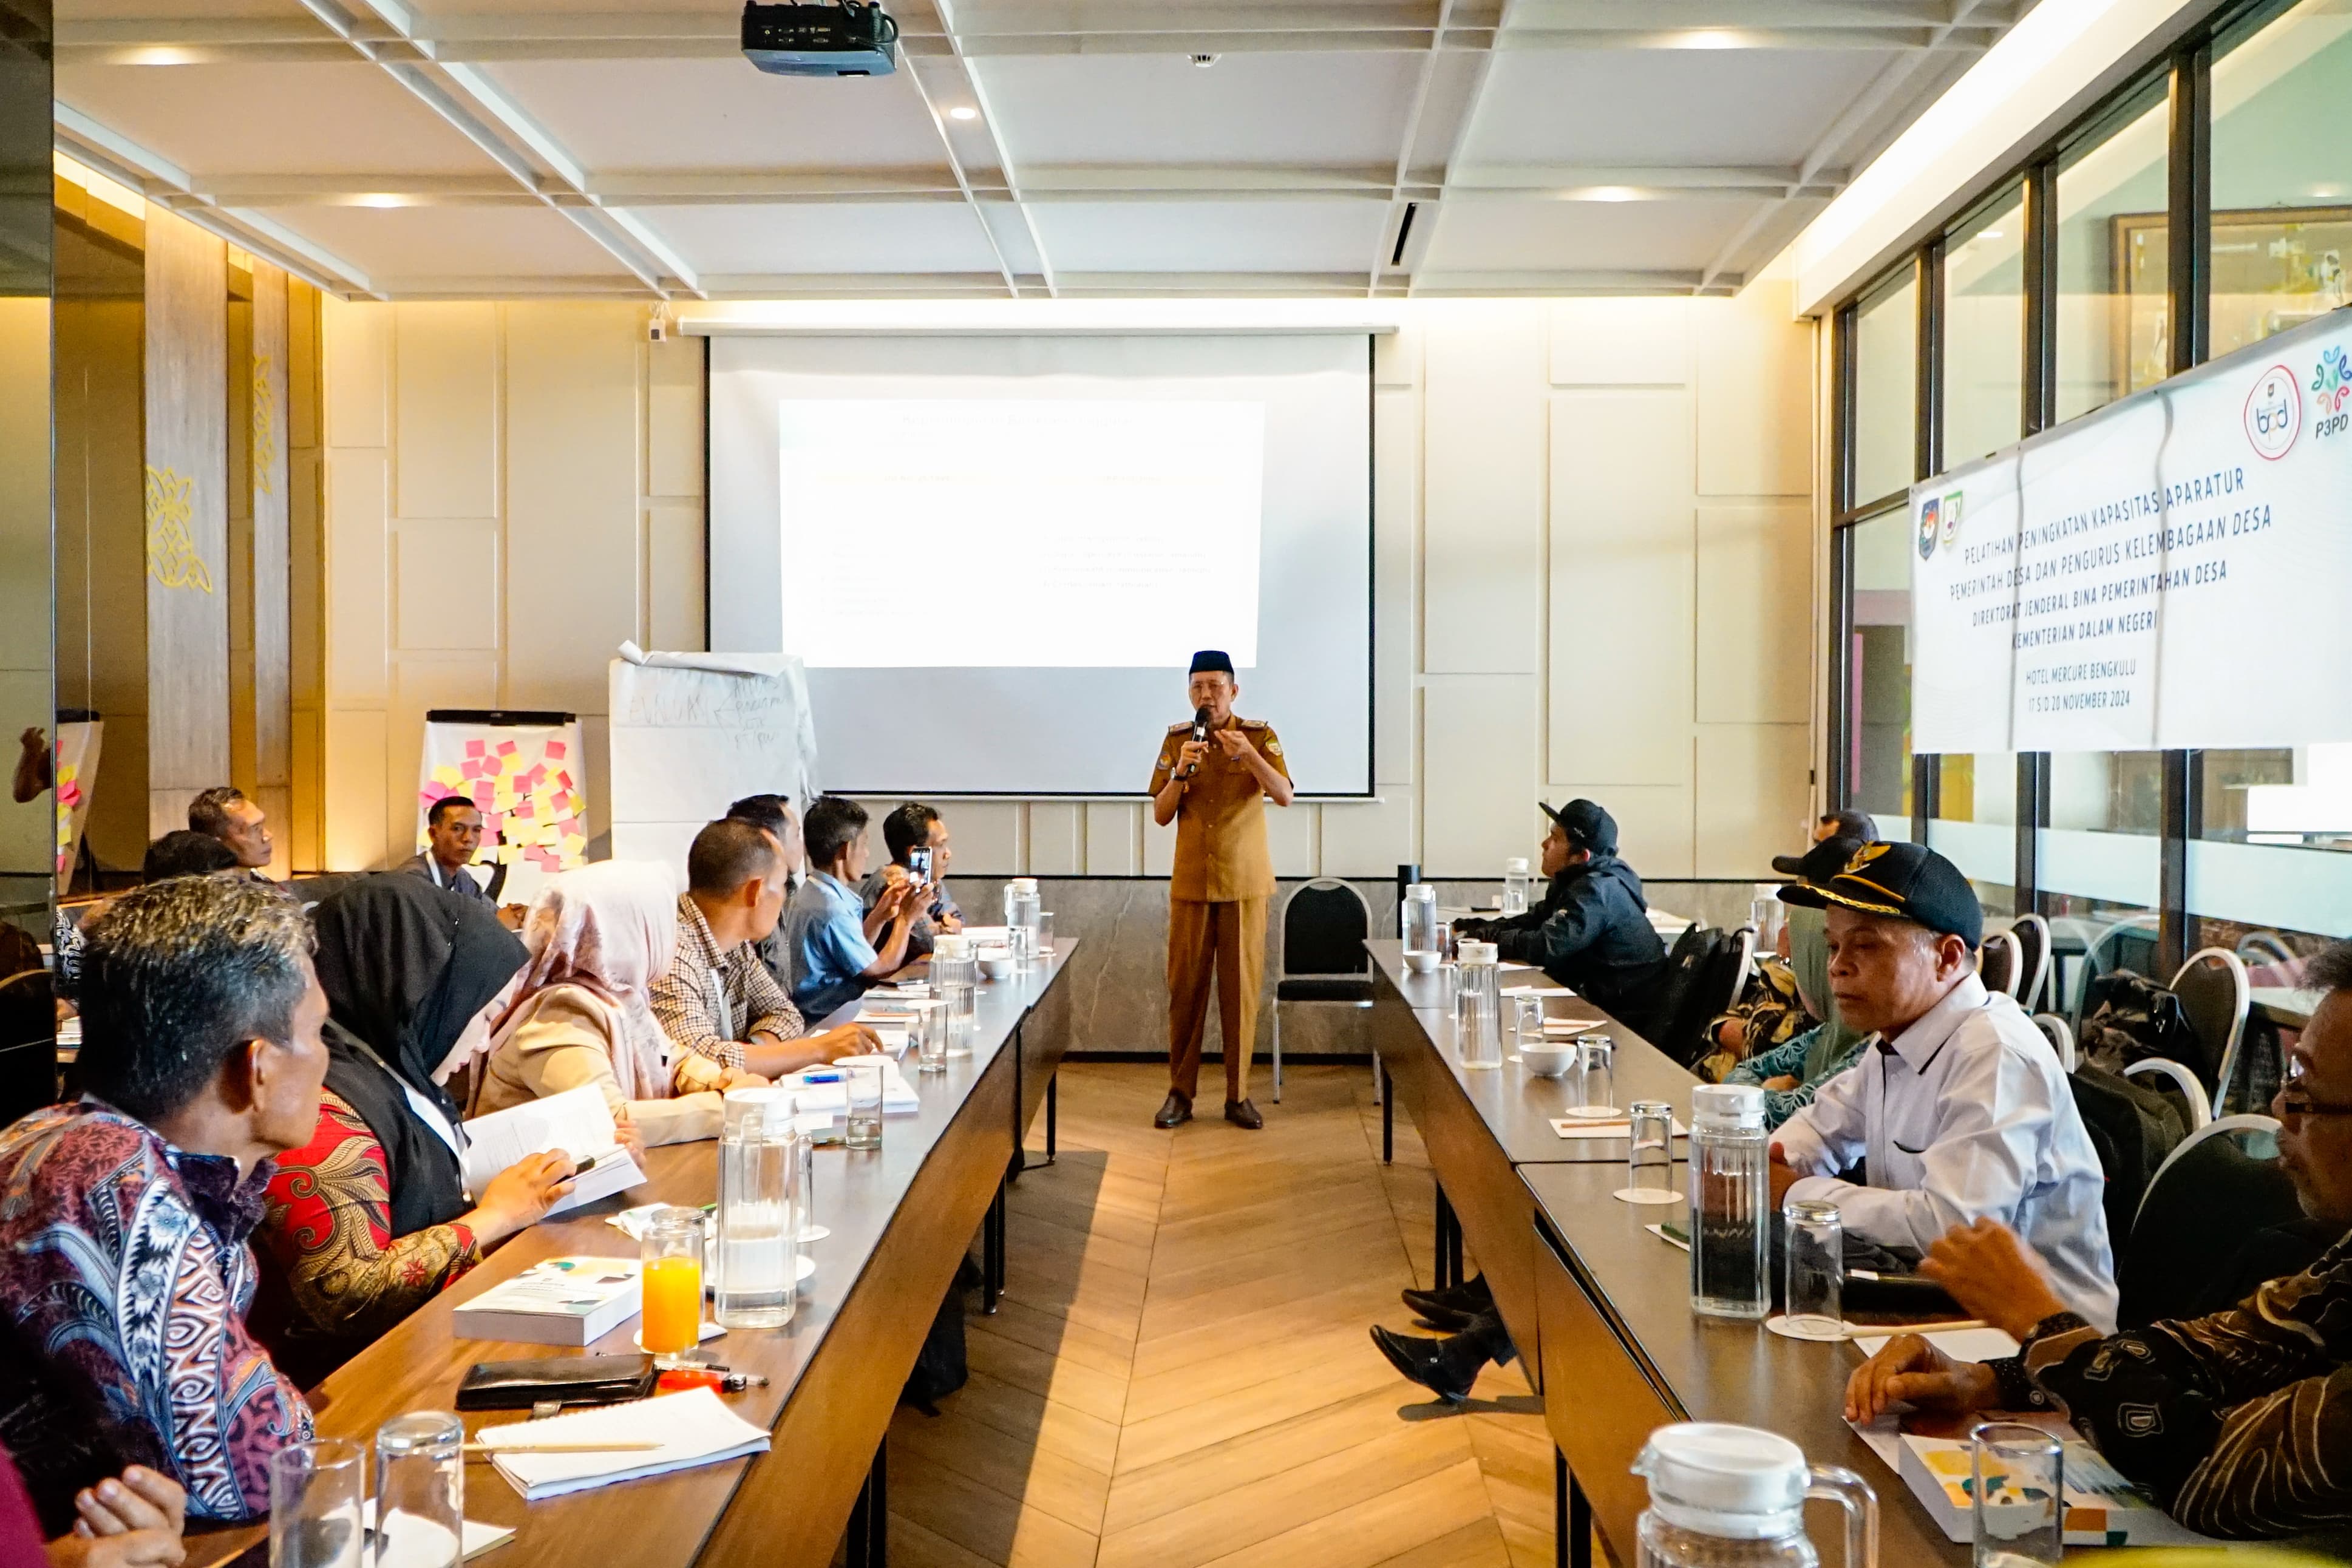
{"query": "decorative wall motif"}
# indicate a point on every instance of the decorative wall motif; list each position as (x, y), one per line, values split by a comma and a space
(172, 558)
(264, 429)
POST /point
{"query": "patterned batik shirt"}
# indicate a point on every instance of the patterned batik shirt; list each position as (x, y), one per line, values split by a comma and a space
(124, 1260)
(2241, 1422)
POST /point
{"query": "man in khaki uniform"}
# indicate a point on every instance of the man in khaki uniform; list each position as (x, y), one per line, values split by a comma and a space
(1215, 791)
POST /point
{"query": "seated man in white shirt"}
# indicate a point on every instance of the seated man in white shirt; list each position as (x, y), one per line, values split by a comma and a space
(1958, 1106)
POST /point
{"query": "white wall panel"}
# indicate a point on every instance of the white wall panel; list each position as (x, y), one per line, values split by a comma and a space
(355, 788)
(1752, 798)
(1371, 839)
(1158, 846)
(359, 586)
(356, 355)
(446, 585)
(1058, 839)
(1622, 563)
(571, 499)
(1654, 831)
(1620, 343)
(1114, 839)
(1754, 619)
(1479, 773)
(1483, 488)
(1755, 394)
(675, 591)
(987, 836)
(444, 406)
(674, 400)
(1396, 535)
(1290, 835)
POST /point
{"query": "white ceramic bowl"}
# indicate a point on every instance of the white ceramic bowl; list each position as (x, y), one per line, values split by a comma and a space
(996, 964)
(1548, 1061)
(1421, 963)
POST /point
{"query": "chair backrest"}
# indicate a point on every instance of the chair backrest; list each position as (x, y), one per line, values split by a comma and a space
(2219, 1186)
(2179, 1079)
(2215, 993)
(1999, 964)
(2128, 943)
(2061, 1038)
(2260, 947)
(1744, 942)
(2033, 934)
(1708, 966)
(28, 1043)
(1323, 924)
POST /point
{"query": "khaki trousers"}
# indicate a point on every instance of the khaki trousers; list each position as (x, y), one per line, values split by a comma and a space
(1229, 938)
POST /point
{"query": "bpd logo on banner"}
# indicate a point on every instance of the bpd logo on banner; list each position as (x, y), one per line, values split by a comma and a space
(1928, 527)
(1940, 520)
(2273, 412)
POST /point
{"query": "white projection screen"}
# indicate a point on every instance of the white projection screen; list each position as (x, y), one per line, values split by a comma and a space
(997, 552)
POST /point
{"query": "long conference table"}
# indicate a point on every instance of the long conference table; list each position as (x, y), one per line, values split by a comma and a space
(1597, 1306)
(902, 1219)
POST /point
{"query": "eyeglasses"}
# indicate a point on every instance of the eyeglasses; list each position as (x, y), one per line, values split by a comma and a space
(2294, 1101)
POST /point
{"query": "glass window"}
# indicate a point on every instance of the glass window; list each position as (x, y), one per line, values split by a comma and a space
(1886, 390)
(1878, 666)
(1984, 332)
(2282, 194)
(1975, 825)
(2269, 877)
(2096, 860)
(2114, 315)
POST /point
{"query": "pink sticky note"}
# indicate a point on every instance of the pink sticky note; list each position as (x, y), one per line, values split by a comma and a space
(469, 769)
(506, 748)
(555, 750)
(563, 779)
(473, 748)
(431, 792)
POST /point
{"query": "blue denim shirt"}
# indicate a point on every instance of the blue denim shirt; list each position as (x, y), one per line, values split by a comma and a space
(824, 934)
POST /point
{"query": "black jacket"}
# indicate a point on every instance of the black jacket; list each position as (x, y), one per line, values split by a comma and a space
(1591, 933)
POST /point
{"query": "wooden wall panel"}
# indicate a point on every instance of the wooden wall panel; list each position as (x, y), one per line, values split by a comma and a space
(269, 449)
(186, 517)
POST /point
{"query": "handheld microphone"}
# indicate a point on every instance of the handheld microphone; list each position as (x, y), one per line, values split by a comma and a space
(1200, 735)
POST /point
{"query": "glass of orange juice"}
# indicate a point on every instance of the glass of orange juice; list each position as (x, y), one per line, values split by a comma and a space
(672, 1256)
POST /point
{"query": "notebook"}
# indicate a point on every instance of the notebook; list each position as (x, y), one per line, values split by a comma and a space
(560, 1301)
(693, 1429)
(577, 1121)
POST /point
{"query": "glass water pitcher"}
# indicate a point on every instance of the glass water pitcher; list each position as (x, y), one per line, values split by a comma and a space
(1732, 1497)
(1478, 1007)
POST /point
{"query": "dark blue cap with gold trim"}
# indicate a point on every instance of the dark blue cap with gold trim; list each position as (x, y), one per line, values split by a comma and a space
(1212, 659)
(1909, 882)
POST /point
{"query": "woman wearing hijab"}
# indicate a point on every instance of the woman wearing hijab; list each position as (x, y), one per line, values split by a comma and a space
(370, 1218)
(1790, 1073)
(599, 937)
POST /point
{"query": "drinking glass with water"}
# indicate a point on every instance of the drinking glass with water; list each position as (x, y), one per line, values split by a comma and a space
(316, 1489)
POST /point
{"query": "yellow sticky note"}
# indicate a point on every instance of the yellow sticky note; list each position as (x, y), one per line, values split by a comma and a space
(447, 774)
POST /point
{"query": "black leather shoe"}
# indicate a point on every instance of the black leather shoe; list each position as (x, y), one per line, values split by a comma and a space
(1243, 1114)
(1424, 1361)
(1437, 1315)
(1456, 1306)
(1175, 1113)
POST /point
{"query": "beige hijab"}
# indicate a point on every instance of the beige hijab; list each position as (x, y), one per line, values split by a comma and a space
(607, 931)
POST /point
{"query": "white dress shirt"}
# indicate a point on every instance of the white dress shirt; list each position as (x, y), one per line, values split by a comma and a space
(1968, 1116)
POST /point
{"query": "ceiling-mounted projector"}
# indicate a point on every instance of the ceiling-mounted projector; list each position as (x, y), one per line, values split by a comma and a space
(849, 39)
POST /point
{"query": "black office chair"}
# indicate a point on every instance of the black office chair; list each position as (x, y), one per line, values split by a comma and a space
(1324, 925)
(2216, 994)
(2220, 1184)
(1703, 984)
(28, 1043)
(1999, 963)
(2033, 934)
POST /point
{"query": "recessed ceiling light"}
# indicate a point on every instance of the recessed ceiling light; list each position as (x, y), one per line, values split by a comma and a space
(1712, 38)
(1204, 62)
(161, 56)
(1612, 193)
(963, 111)
(380, 199)
(1988, 234)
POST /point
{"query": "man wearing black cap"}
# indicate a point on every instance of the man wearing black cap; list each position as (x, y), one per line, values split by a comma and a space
(1591, 933)
(1214, 775)
(1958, 1106)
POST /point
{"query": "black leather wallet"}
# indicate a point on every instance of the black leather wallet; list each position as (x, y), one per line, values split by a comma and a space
(565, 1379)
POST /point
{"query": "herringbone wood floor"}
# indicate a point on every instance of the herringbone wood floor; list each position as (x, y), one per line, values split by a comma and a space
(1180, 1374)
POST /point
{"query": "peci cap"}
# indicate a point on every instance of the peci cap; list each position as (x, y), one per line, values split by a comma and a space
(1211, 660)
(1588, 827)
(1909, 882)
(1821, 862)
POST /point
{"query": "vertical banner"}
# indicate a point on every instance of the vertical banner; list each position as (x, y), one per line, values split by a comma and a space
(526, 774)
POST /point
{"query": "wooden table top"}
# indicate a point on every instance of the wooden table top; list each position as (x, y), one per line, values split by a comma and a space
(1713, 1370)
(666, 1520)
(1517, 1106)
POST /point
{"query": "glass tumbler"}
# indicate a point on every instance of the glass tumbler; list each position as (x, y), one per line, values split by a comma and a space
(1596, 1094)
(1813, 1304)
(929, 1029)
(420, 1491)
(1650, 1153)
(1044, 937)
(1527, 1020)
(2018, 1495)
(862, 1128)
(315, 1492)
(669, 1323)
(805, 1154)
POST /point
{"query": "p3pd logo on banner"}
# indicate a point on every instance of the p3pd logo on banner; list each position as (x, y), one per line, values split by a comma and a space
(2273, 412)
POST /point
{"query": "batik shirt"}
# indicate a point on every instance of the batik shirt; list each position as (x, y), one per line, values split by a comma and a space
(2240, 1423)
(125, 1260)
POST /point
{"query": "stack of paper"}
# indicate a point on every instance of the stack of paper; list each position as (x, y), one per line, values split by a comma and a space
(692, 1429)
(832, 1099)
(577, 1121)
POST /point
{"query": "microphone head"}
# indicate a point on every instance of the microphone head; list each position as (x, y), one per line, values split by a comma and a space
(1200, 716)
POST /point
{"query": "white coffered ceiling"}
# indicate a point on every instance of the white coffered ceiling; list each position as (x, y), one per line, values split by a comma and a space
(1034, 148)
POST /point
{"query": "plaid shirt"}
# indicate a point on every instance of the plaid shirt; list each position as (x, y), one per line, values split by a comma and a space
(685, 999)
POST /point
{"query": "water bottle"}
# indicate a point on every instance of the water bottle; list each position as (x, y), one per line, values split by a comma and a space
(1515, 882)
(1021, 909)
(758, 1171)
(955, 983)
(1730, 1208)
(1419, 918)
(1478, 1007)
(1732, 1497)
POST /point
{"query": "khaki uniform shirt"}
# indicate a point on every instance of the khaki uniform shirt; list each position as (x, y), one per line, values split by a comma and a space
(1221, 853)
